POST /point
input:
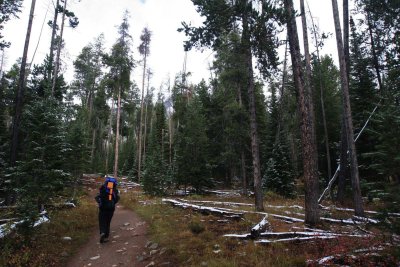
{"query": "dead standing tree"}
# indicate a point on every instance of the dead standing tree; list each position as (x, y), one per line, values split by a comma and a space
(304, 98)
(144, 50)
(20, 95)
(355, 180)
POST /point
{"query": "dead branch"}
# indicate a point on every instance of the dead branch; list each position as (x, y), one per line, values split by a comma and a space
(218, 202)
(352, 210)
(294, 239)
(260, 227)
(204, 210)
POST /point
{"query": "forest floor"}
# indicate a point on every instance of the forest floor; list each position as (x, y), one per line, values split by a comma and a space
(149, 231)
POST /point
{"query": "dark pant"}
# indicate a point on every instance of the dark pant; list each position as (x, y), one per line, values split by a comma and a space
(105, 217)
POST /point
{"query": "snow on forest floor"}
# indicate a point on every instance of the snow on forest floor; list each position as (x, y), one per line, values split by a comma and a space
(224, 229)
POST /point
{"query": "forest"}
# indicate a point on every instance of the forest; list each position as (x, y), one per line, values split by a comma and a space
(292, 148)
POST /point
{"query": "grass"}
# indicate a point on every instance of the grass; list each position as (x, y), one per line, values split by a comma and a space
(193, 239)
(45, 246)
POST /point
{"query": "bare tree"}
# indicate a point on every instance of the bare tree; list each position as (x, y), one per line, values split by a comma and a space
(21, 89)
(117, 133)
(57, 66)
(310, 163)
(355, 180)
(321, 90)
(144, 50)
(255, 146)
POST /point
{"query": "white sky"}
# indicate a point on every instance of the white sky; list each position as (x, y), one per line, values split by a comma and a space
(162, 17)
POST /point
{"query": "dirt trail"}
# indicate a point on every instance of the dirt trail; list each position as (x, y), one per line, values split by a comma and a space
(126, 245)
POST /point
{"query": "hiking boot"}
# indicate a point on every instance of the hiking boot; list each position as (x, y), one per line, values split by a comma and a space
(102, 237)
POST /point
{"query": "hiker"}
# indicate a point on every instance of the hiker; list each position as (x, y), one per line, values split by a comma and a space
(106, 199)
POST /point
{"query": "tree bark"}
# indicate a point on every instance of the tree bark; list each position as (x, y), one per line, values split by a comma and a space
(374, 55)
(141, 120)
(21, 90)
(117, 134)
(109, 135)
(10, 196)
(358, 205)
(344, 159)
(53, 36)
(321, 90)
(310, 164)
(253, 122)
(145, 116)
(57, 66)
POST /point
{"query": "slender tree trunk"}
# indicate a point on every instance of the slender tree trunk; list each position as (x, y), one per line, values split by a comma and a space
(10, 197)
(93, 147)
(53, 37)
(321, 90)
(117, 134)
(21, 90)
(141, 121)
(253, 122)
(310, 164)
(344, 159)
(358, 205)
(145, 118)
(109, 135)
(57, 66)
(374, 55)
(242, 156)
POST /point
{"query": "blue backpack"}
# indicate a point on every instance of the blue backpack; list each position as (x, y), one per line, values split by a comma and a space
(109, 193)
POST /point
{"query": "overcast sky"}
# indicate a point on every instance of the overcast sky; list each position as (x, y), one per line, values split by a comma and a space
(162, 17)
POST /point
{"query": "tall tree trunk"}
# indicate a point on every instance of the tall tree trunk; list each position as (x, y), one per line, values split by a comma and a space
(117, 134)
(253, 122)
(19, 102)
(321, 91)
(374, 55)
(93, 147)
(141, 120)
(57, 66)
(109, 134)
(358, 205)
(310, 164)
(53, 37)
(343, 161)
(21, 90)
(242, 156)
(145, 117)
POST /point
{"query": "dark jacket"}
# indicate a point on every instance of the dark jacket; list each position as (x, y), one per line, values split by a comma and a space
(103, 201)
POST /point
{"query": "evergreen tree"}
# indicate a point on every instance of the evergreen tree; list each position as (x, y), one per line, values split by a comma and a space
(191, 142)
(42, 171)
(8, 9)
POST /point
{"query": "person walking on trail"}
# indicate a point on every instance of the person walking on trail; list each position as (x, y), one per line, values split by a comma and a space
(106, 199)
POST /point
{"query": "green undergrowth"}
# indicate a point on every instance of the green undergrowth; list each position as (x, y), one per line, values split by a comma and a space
(45, 245)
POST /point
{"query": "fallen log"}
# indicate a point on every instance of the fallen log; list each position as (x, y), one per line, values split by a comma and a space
(286, 218)
(293, 235)
(5, 229)
(260, 227)
(204, 210)
(294, 239)
(217, 202)
(223, 193)
(392, 214)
